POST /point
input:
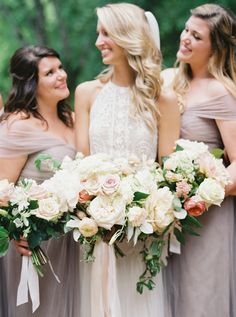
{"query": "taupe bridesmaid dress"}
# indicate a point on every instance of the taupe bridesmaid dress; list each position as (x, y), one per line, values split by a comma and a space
(201, 281)
(56, 300)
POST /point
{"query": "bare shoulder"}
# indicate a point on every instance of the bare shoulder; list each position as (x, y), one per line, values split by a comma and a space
(88, 86)
(168, 75)
(167, 100)
(86, 92)
(21, 122)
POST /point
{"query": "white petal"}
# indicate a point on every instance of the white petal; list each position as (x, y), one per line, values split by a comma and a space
(76, 234)
(180, 214)
(136, 234)
(146, 227)
(130, 232)
(73, 223)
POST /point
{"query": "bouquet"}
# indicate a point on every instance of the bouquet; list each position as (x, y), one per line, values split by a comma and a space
(197, 179)
(135, 199)
(30, 211)
(116, 199)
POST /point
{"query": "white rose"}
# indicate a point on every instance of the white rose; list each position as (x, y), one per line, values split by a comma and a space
(137, 216)
(106, 211)
(196, 148)
(211, 192)
(48, 209)
(146, 181)
(110, 184)
(124, 166)
(93, 186)
(214, 168)
(126, 189)
(88, 227)
(36, 192)
(160, 209)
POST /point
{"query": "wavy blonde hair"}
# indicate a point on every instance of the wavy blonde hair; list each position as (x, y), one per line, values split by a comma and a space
(222, 63)
(126, 24)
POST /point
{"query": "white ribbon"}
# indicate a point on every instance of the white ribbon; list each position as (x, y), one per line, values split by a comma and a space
(175, 246)
(29, 282)
(104, 292)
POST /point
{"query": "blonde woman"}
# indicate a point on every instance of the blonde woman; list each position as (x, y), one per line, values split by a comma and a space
(201, 282)
(123, 112)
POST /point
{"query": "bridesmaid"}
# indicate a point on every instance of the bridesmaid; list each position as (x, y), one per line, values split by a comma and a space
(201, 281)
(119, 113)
(38, 120)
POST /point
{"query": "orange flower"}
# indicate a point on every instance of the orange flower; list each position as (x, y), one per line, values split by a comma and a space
(194, 207)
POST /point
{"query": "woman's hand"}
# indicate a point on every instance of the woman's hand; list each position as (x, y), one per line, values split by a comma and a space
(22, 246)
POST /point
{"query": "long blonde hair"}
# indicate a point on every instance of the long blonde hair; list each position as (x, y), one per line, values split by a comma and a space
(126, 24)
(222, 63)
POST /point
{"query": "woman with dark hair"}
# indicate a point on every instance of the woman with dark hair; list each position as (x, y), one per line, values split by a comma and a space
(202, 280)
(37, 120)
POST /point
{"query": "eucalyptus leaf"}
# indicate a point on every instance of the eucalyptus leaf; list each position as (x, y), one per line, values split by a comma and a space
(217, 152)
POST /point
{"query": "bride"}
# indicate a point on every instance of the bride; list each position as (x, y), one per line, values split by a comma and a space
(124, 112)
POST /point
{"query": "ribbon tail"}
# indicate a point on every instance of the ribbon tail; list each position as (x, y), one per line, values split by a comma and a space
(33, 283)
(105, 302)
(22, 291)
(175, 246)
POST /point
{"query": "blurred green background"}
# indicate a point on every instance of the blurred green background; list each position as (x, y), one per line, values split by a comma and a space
(69, 26)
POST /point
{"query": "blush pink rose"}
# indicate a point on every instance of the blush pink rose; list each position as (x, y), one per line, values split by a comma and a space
(194, 207)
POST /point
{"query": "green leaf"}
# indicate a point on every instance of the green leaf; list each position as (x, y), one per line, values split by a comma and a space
(190, 230)
(4, 241)
(40, 158)
(178, 148)
(179, 235)
(139, 196)
(191, 221)
(217, 152)
(33, 204)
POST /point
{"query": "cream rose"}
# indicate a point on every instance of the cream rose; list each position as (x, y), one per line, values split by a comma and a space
(211, 192)
(88, 227)
(48, 209)
(137, 216)
(37, 192)
(106, 211)
(92, 186)
(159, 206)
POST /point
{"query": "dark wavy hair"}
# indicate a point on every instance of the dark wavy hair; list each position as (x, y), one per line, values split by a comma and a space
(24, 72)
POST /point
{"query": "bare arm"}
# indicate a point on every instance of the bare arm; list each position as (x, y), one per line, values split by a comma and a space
(228, 134)
(10, 168)
(82, 116)
(169, 124)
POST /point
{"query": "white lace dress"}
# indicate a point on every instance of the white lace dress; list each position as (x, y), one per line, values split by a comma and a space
(108, 286)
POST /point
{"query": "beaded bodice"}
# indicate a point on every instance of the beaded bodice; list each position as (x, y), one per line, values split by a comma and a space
(114, 130)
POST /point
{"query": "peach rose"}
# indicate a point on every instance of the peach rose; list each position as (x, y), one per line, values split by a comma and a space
(194, 207)
(84, 196)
